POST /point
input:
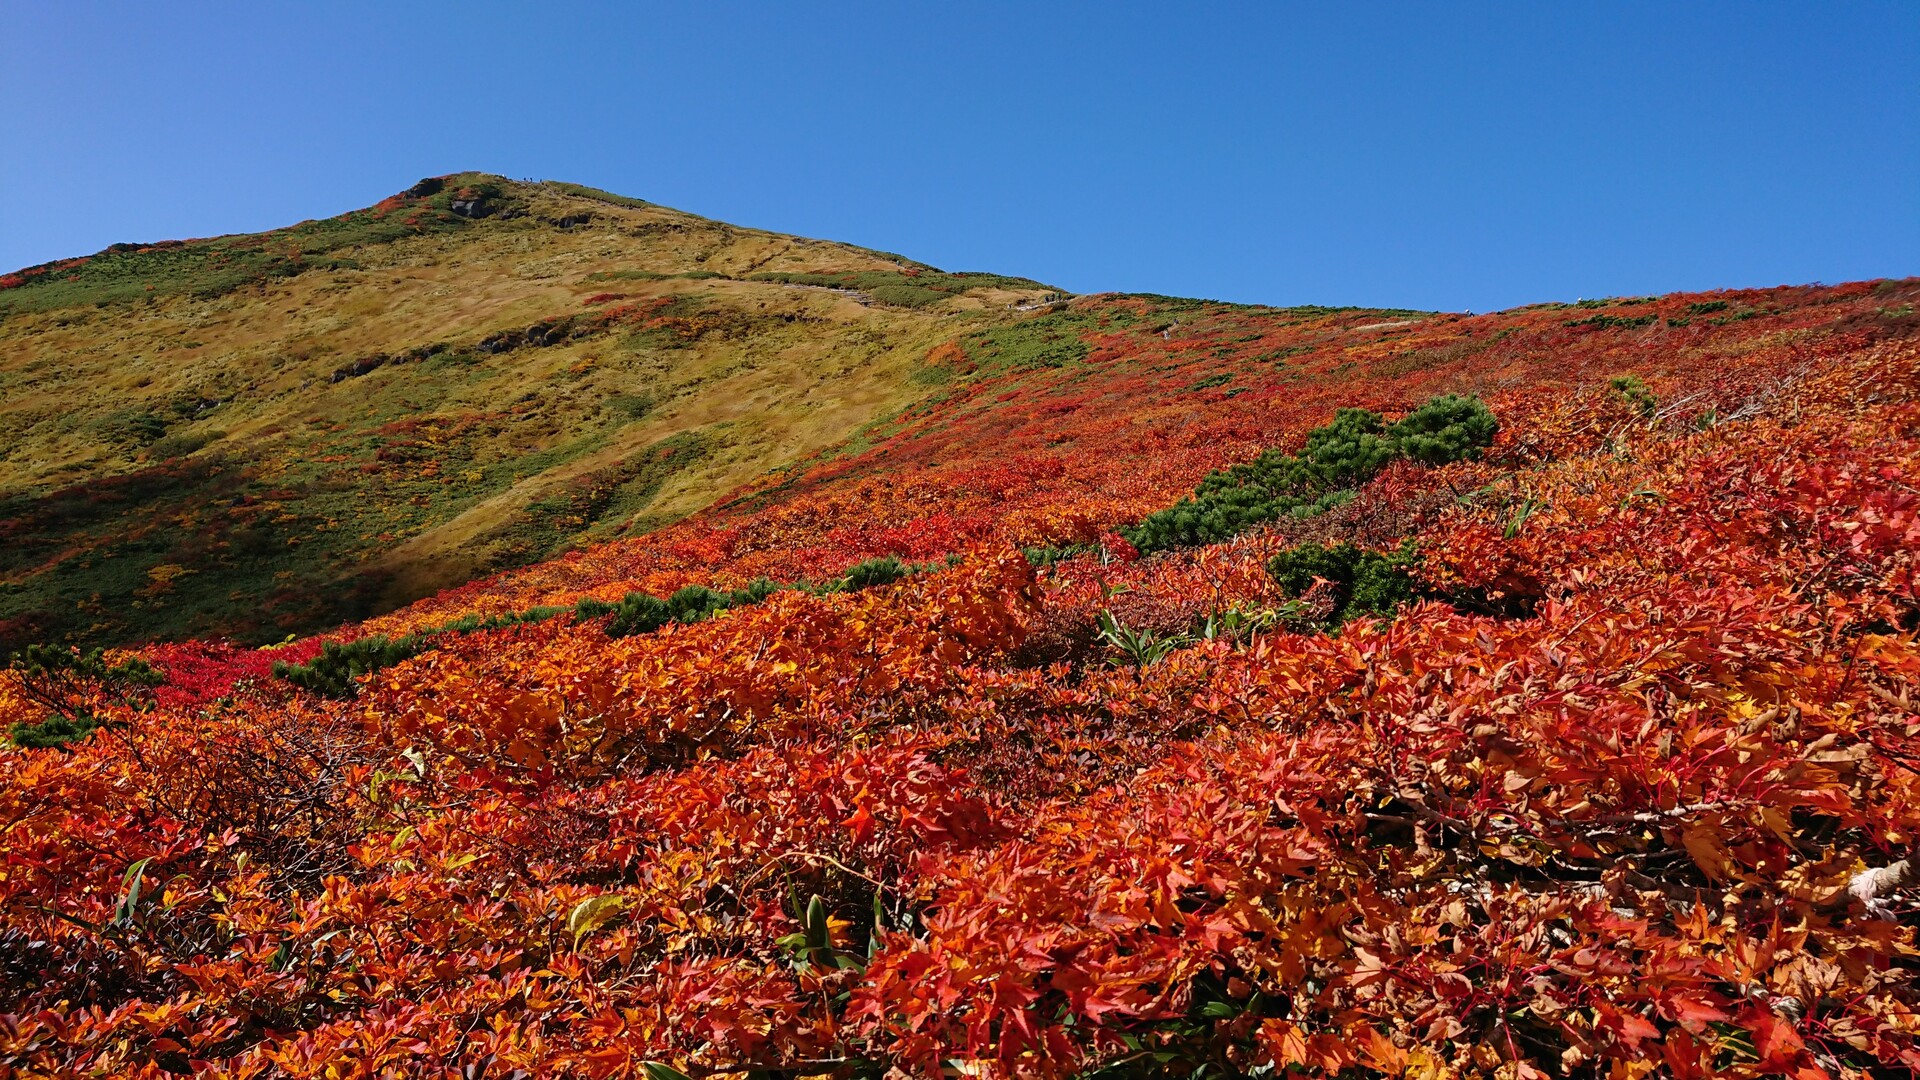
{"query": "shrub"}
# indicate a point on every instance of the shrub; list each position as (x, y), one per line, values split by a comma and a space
(1359, 582)
(1350, 450)
(52, 733)
(1635, 393)
(1046, 555)
(755, 591)
(468, 624)
(882, 571)
(1447, 428)
(1337, 458)
(1615, 322)
(68, 684)
(631, 406)
(1049, 341)
(144, 428)
(336, 670)
(173, 446)
(909, 296)
(695, 603)
(591, 608)
(638, 613)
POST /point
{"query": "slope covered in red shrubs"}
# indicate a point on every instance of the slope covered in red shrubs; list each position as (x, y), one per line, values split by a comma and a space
(1628, 789)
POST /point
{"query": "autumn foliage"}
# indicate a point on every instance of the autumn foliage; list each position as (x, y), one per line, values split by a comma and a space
(1623, 781)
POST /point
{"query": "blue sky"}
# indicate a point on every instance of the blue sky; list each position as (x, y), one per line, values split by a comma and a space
(1420, 155)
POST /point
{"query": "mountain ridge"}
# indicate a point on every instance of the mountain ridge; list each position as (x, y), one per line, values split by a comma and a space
(173, 356)
(265, 434)
(872, 674)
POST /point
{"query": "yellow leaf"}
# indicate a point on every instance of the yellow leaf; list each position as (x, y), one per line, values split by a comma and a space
(593, 913)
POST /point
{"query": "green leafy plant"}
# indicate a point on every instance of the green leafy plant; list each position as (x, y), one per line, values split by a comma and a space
(1141, 648)
(1235, 623)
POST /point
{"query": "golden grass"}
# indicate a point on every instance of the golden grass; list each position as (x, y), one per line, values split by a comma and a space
(817, 365)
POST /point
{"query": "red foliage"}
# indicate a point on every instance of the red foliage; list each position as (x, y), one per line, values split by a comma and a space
(1634, 793)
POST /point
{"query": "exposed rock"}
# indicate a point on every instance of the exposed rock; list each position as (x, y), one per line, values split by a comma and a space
(358, 368)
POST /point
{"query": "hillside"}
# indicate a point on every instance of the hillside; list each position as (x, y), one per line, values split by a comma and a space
(1111, 686)
(260, 435)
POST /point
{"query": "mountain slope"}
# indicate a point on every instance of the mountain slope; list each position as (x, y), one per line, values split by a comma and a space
(1171, 688)
(265, 434)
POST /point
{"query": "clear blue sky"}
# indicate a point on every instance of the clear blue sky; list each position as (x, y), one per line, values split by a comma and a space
(1422, 155)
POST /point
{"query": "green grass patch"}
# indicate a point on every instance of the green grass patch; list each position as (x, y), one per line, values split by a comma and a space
(655, 275)
(897, 289)
(1053, 340)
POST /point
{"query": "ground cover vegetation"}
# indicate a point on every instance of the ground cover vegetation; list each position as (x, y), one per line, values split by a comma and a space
(1507, 695)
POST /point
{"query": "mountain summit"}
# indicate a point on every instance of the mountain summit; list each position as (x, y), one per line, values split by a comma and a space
(263, 434)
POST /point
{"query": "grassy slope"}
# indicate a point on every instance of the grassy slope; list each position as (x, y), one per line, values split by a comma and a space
(1094, 413)
(260, 435)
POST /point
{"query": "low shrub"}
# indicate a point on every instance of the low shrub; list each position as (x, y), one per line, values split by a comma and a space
(696, 603)
(70, 685)
(336, 671)
(52, 733)
(1357, 582)
(638, 613)
(1337, 458)
(1635, 393)
(882, 571)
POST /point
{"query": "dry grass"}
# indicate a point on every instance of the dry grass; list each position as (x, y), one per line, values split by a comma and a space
(791, 370)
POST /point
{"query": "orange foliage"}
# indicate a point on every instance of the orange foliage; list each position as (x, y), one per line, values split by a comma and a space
(1601, 805)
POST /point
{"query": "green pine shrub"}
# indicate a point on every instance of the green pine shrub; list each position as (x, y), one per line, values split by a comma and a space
(1634, 392)
(336, 671)
(1363, 583)
(638, 613)
(755, 591)
(695, 603)
(1337, 458)
(65, 682)
(55, 732)
(881, 571)
(1447, 428)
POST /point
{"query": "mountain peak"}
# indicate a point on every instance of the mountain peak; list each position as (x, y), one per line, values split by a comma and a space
(557, 333)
